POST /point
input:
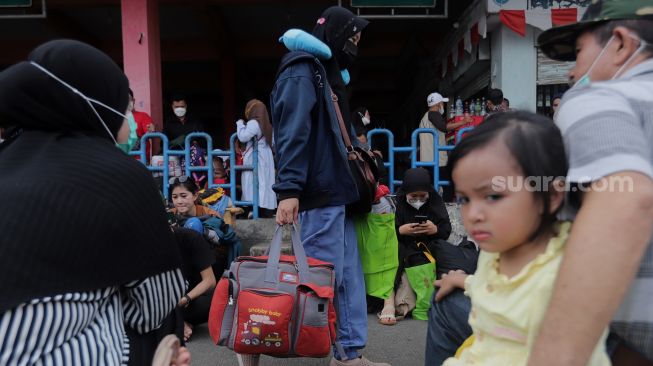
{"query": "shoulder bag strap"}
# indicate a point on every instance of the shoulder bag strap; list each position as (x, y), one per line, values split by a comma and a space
(341, 123)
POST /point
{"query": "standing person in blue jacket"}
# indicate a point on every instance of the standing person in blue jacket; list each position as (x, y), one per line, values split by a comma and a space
(314, 182)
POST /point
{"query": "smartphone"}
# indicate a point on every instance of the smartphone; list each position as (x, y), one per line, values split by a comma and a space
(421, 219)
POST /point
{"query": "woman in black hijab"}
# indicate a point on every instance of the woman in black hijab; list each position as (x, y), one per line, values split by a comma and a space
(85, 250)
(341, 30)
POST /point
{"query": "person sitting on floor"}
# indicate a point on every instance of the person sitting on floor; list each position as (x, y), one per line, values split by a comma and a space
(196, 264)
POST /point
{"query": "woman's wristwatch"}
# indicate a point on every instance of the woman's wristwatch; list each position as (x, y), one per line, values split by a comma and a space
(188, 299)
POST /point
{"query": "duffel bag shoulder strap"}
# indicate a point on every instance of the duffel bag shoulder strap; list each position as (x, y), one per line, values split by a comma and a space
(272, 268)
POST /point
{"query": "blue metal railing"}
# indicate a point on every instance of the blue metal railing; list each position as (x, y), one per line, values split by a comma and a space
(412, 149)
(166, 153)
(208, 168)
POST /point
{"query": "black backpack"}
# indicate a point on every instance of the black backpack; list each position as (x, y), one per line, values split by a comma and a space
(452, 257)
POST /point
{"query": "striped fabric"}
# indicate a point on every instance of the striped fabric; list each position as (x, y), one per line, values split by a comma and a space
(87, 328)
(608, 128)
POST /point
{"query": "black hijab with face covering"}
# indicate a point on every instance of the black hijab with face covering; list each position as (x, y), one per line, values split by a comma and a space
(334, 27)
(77, 214)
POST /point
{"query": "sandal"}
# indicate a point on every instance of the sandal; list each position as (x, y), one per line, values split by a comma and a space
(386, 319)
(167, 351)
(188, 331)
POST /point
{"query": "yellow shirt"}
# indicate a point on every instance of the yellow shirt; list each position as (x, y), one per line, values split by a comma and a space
(507, 312)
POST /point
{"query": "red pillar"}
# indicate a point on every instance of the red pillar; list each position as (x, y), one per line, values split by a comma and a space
(228, 90)
(141, 48)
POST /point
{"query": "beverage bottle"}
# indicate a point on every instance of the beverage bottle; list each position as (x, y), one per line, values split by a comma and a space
(459, 107)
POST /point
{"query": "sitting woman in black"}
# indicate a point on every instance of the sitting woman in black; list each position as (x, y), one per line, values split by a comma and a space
(421, 220)
(417, 197)
(196, 261)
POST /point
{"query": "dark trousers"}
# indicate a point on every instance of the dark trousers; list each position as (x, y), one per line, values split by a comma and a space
(142, 346)
(447, 327)
(198, 311)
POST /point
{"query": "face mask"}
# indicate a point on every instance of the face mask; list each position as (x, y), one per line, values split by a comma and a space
(180, 111)
(586, 80)
(133, 137)
(348, 54)
(416, 203)
(366, 121)
(89, 101)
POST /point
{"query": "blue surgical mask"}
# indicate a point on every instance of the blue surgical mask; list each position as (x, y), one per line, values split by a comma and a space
(90, 102)
(126, 147)
(585, 79)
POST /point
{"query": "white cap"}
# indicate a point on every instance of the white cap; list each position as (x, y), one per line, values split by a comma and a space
(435, 98)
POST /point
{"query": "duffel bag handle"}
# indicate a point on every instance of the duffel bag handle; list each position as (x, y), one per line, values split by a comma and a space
(272, 269)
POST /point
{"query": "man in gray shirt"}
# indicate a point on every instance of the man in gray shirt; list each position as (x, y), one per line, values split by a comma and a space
(607, 123)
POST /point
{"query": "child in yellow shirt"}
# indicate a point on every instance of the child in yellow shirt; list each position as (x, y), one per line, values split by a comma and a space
(509, 177)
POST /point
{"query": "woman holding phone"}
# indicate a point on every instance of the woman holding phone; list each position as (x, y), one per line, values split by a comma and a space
(421, 217)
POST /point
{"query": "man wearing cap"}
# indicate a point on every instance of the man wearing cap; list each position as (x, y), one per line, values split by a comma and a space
(433, 119)
(606, 120)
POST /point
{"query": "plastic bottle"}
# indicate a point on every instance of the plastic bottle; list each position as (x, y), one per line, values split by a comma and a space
(459, 107)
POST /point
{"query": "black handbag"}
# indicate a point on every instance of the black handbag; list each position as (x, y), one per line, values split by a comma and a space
(449, 257)
(362, 165)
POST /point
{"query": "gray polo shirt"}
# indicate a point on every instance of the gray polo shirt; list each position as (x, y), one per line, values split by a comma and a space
(608, 128)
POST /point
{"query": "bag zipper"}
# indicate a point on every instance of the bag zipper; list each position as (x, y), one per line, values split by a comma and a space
(259, 260)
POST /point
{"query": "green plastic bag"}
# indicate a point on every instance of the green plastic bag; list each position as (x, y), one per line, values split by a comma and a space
(421, 279)
(378, 249)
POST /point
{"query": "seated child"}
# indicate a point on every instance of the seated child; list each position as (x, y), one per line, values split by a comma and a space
(508, 174)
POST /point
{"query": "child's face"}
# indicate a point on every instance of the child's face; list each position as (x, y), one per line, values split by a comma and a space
(218, 168)
(184, 201)
(499, 217)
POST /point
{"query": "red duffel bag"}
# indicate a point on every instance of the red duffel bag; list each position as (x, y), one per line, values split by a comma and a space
(276, 305)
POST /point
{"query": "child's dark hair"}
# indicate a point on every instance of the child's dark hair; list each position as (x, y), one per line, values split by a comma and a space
(183, 181)
(536, 145)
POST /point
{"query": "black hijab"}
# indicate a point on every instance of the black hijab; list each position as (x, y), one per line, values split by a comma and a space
(419, 179)
(334, 27)
(77, 214)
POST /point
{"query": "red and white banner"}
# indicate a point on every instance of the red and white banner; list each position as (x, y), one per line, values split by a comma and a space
(539, 18)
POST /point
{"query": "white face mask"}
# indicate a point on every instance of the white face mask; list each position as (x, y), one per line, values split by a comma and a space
(416, 203)
(89, 101)
(366, 121)
(180, 111)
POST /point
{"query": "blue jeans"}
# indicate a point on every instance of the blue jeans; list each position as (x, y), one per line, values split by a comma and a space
(330, 236)
(448, 327)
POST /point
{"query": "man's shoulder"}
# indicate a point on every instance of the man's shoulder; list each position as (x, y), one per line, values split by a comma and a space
(601, 99)
(622, 90)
